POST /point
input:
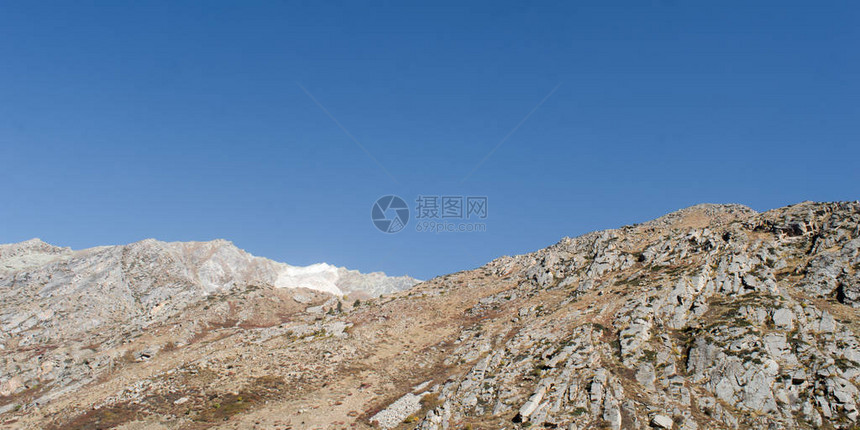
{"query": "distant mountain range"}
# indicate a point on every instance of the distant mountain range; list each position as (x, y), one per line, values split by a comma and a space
(48, 291)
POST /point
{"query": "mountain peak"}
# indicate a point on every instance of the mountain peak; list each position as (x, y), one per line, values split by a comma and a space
(702, 215)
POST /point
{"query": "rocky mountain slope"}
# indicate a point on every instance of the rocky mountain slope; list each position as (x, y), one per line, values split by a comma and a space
(711, 317)
(51, 297)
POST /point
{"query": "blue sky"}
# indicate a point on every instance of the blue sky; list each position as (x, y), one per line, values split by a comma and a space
(177, 120)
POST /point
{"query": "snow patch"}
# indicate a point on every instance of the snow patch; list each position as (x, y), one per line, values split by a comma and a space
(321, 277)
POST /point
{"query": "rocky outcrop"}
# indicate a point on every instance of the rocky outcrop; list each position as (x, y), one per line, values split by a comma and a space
(712, 317)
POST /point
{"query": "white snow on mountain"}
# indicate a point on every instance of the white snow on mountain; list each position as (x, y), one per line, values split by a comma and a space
(320, 276)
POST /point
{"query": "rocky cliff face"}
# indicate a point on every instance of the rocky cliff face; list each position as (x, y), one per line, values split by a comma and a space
(711, 317)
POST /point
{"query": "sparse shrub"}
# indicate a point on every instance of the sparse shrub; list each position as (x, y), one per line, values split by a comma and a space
(650, 355)
(616, 345)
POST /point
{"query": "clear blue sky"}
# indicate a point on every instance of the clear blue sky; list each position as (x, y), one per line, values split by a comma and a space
(121, 121)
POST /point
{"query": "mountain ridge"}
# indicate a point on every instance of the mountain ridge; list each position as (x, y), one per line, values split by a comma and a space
(22, 249)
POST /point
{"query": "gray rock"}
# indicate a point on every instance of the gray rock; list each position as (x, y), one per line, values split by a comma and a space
(662, 422)
(783, 319)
